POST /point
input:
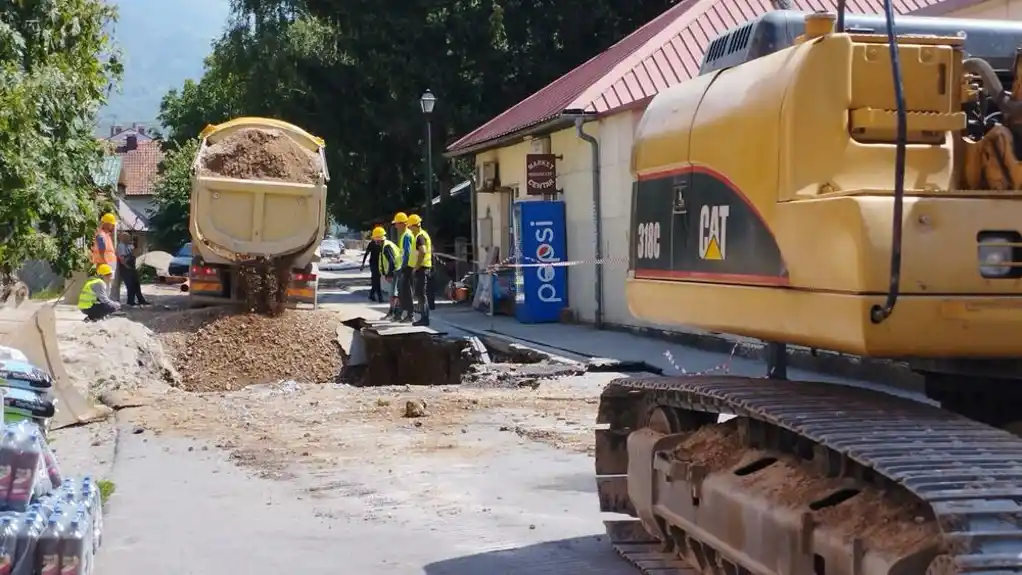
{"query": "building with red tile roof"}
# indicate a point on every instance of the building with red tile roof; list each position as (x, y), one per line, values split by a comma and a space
(612, 89)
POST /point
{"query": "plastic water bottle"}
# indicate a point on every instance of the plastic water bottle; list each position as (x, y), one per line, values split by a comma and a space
(48, 549)
(26, 466)
(75, 547)
(8, 544)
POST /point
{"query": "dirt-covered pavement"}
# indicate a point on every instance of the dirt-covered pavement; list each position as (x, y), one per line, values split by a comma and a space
(302, 475)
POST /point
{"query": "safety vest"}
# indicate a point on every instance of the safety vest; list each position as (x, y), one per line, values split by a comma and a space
(87, 299)
(427, 255)
(108, 256)
(395, 252)
(411, 248)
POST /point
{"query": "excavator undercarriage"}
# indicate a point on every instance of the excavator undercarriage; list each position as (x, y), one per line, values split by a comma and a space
(805, 478)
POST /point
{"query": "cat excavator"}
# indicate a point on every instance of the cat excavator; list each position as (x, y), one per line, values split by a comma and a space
(841, 182)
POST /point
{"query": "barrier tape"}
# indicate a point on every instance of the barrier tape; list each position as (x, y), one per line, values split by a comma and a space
(514, 262)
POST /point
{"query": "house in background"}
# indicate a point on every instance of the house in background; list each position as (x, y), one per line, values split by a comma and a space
(608, 94)
(140, 156)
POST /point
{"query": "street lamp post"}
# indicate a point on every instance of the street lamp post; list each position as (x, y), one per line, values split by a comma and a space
(428, 101)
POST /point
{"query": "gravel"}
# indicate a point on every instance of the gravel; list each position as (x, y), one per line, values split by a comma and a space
(256, 154)
(231, 352)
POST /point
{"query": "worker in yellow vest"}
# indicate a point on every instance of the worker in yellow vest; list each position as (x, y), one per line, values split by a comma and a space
(390, 255)
(94, 300)
(406, 244)
(422, 264)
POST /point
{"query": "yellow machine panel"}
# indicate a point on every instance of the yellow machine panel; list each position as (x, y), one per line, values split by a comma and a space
(765, 200)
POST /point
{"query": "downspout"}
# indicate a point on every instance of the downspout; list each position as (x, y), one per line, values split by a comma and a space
(474, 207)
(594, 145)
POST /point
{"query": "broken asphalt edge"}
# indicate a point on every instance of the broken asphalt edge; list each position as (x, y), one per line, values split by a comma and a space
(886, 372)
(881, 371)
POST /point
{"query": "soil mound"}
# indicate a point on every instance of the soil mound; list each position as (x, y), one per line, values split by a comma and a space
(233, 351)
(257, 154)
(116, 354)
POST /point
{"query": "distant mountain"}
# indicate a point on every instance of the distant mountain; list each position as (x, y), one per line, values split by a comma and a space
(163, 43)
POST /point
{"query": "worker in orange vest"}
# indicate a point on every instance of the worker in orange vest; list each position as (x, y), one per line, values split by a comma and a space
(104, 252)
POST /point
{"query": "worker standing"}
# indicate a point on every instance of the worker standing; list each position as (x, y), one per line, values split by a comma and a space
(127, 270)
(373, 253)
(103, 251)
(407, 245)
(94, 301)
(390, 255)
(422, 264)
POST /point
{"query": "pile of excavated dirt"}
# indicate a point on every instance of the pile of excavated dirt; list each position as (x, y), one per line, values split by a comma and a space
(233, 351)
(116, 354)
(257, 154)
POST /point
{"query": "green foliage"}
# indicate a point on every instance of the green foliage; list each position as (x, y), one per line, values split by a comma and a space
(352, 72)
(56, 68)
(171, 193)
(146, 274)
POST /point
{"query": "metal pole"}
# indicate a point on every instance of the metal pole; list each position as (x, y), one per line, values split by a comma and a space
(429, 170)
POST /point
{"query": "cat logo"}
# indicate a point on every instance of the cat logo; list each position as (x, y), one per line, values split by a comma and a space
(713, 232)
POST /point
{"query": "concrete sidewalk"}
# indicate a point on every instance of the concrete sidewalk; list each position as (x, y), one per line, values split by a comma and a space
(690, 351)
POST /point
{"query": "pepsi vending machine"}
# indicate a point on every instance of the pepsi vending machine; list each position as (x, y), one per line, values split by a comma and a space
(541, 289)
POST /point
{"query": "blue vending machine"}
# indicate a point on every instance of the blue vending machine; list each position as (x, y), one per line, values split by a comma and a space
(541, 289)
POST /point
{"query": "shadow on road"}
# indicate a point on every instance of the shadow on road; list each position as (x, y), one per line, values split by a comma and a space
(590, 555)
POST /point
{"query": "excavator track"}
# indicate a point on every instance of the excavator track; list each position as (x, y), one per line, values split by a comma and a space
(966, 475)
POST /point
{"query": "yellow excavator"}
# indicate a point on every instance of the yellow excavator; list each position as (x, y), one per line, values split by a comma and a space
(840, 182)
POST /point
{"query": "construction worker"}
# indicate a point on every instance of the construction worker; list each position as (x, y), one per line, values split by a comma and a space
(103, 249)
(372, 253)
(422, 264)
(94, 300)
(406, 242)
(390, 255)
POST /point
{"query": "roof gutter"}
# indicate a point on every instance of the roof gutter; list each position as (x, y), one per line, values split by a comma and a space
(543, 127)
(580, 117)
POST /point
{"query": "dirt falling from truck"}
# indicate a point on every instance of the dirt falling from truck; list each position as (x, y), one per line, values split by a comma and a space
(259, 154)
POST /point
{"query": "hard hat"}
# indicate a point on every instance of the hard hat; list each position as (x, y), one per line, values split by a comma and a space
(379, 233)
(104, 270)
(109, 219)
(414, 220)
(400, 218)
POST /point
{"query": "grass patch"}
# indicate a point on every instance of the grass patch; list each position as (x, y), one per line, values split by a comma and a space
(106, 489)
(46, 294)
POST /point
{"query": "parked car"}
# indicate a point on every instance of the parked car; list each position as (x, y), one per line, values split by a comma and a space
(331, 249)
(182, 262)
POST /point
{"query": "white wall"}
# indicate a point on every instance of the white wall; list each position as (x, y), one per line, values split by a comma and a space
(574, 177)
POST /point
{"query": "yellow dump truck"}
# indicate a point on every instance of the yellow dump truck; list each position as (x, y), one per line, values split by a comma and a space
(252, 208)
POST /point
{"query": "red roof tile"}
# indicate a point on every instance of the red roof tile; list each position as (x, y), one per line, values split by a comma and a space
(660, 54)
(140, 167)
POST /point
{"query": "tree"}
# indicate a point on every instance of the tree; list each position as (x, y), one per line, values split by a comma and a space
(56, 69)
(352, 71)
(171, 194)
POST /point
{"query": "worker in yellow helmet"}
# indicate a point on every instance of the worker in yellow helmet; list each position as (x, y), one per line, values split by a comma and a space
(390, 255)
(103, 249)
(406, 243)
(94, 300)
(422, 264)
